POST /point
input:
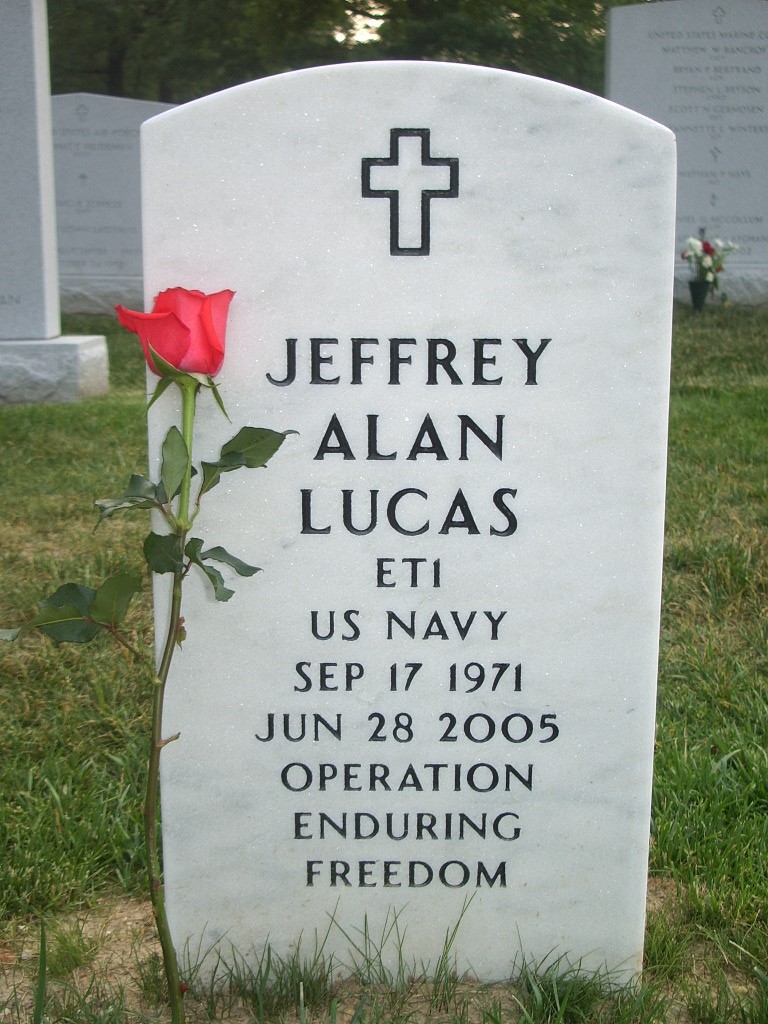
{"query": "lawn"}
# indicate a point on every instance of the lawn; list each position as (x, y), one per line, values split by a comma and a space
(72, 743)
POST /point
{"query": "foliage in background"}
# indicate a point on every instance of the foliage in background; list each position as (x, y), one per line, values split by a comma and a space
(558, 39)
(177, 50)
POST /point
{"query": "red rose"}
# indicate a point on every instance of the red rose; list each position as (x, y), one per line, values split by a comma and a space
(708, 249)
(185, 328)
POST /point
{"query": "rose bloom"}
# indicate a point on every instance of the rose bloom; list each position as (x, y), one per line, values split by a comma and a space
(185, 328)
(709, 251)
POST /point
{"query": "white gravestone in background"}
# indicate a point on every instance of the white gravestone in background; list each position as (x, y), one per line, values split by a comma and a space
(702, 70)
(36, 363)
(455, 283)
(98, 199)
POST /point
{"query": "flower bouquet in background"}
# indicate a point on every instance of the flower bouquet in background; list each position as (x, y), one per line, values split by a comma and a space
(706, 260)
(183, 342)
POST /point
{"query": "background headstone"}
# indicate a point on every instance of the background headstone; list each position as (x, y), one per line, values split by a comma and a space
(36, 364)
(98, 200)
(702, 70)
(29, 290)
(442, 684)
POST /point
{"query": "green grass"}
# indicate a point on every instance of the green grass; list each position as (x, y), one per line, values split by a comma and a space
(72, 742)
(69, 948)
(711, 790)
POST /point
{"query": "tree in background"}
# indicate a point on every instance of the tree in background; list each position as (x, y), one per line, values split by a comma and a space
(558, 39)
(176, 50)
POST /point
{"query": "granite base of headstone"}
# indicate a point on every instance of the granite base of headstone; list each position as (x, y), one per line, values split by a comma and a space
(98, 200)
(701, 69)
(63, 369)
(435, 704)
(36, 363)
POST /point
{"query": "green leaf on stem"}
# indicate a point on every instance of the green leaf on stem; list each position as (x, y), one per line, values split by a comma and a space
(162, 386)
(65, 615)
(211, 475)
(113, 598)
(163, 553)
(140, 493)
(171, 372)
(219, 401)
(219, 554)
(250, 448)
(63, 624)
(76, 614)
(196, 555)
(175, 460)
(193, 551)
(71, 594)
(253, 447)
(220, 591)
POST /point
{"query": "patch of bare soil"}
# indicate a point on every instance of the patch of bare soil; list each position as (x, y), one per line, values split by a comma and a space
(125, 969)
(123, 966)
(661, 895)
(114, 939)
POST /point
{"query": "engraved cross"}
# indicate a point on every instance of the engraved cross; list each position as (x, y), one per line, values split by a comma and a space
(410, 178)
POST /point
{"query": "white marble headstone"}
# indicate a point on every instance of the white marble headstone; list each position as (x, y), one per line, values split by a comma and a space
(37, 364)
(29, 304)
(442, 684)
(98, 199)
(701, 69)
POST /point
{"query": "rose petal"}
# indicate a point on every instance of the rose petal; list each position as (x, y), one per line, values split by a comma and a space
(186, 303)
(164, 332)
(213, 318)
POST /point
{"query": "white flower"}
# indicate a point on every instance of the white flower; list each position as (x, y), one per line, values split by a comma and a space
(694, 246)
(706, 261)
(710, 277)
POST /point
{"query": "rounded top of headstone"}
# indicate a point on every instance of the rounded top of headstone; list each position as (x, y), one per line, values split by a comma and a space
(436, 81)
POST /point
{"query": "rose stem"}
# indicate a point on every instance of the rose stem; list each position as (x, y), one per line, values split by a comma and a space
(152, 814)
